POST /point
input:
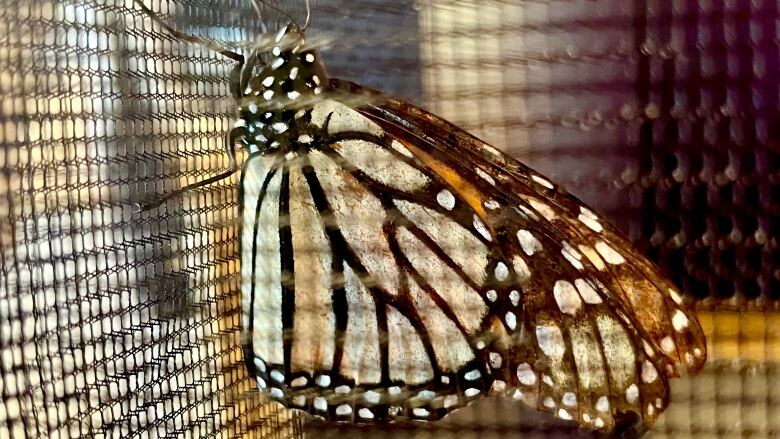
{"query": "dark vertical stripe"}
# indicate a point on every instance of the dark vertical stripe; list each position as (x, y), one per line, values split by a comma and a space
(340, 311)
(288, 269)
(384, 341)
(339, 252)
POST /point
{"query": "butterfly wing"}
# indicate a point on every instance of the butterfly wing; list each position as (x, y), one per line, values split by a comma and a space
(583, 283)
(345, 317)
(394, 266)
(641, 291)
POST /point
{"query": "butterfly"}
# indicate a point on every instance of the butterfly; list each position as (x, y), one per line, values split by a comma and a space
(395, 267)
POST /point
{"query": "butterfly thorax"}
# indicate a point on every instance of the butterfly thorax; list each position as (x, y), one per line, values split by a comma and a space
(281, 93)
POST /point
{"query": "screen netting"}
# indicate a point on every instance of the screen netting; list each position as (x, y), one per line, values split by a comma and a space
(663, 115)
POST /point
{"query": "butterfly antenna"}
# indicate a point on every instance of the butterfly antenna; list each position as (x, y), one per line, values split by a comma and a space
(308, 16)
(258, 10)
(279, 10)
(189, 38)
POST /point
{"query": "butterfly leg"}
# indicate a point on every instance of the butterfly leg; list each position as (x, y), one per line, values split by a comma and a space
(234, 134)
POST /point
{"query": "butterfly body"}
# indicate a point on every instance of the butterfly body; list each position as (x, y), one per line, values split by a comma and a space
(395, 267)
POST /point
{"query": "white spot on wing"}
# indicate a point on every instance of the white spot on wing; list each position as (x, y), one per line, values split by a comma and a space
(495, 360)
(569, 301)
(398, 146)
(679, 321)
(323, 381)
(545, 210)
(550, 340)
(542, 181)
(649, 373)
(591, 223)
(278, 62)
(593, 257)
(514, 297)
(667, 344)
(485, 176)
(602, 404)
(421, 412)
(277, 376)
(632, 394)
(609, 254)
(521, 268)
(501, 272)
(446, 199)
(571, 255)
(451, 401)
(528, 242)
(491, 204)
(470, 393)
(472, 375)
(563, 414)
(511, 320)
(588, 293)
(372, 397)
(479, 226)
(526, 374)
(675, 296)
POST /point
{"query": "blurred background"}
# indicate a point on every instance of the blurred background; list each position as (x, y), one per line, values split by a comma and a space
(661, 114)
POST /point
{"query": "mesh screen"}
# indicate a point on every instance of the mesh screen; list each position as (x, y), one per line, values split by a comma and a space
(663, 115)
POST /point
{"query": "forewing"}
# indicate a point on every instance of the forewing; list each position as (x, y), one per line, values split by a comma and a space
(636, 281)
(599, 329)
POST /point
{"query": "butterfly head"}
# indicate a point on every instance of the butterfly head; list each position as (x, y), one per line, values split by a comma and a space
(291, 81)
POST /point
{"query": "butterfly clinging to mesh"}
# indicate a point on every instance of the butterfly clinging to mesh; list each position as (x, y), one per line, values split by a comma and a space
(394, 266)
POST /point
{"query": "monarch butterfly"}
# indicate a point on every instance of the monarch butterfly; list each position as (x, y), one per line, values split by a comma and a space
(394, 266)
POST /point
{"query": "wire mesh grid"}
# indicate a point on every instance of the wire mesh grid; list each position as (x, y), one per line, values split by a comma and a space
(661, 114)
